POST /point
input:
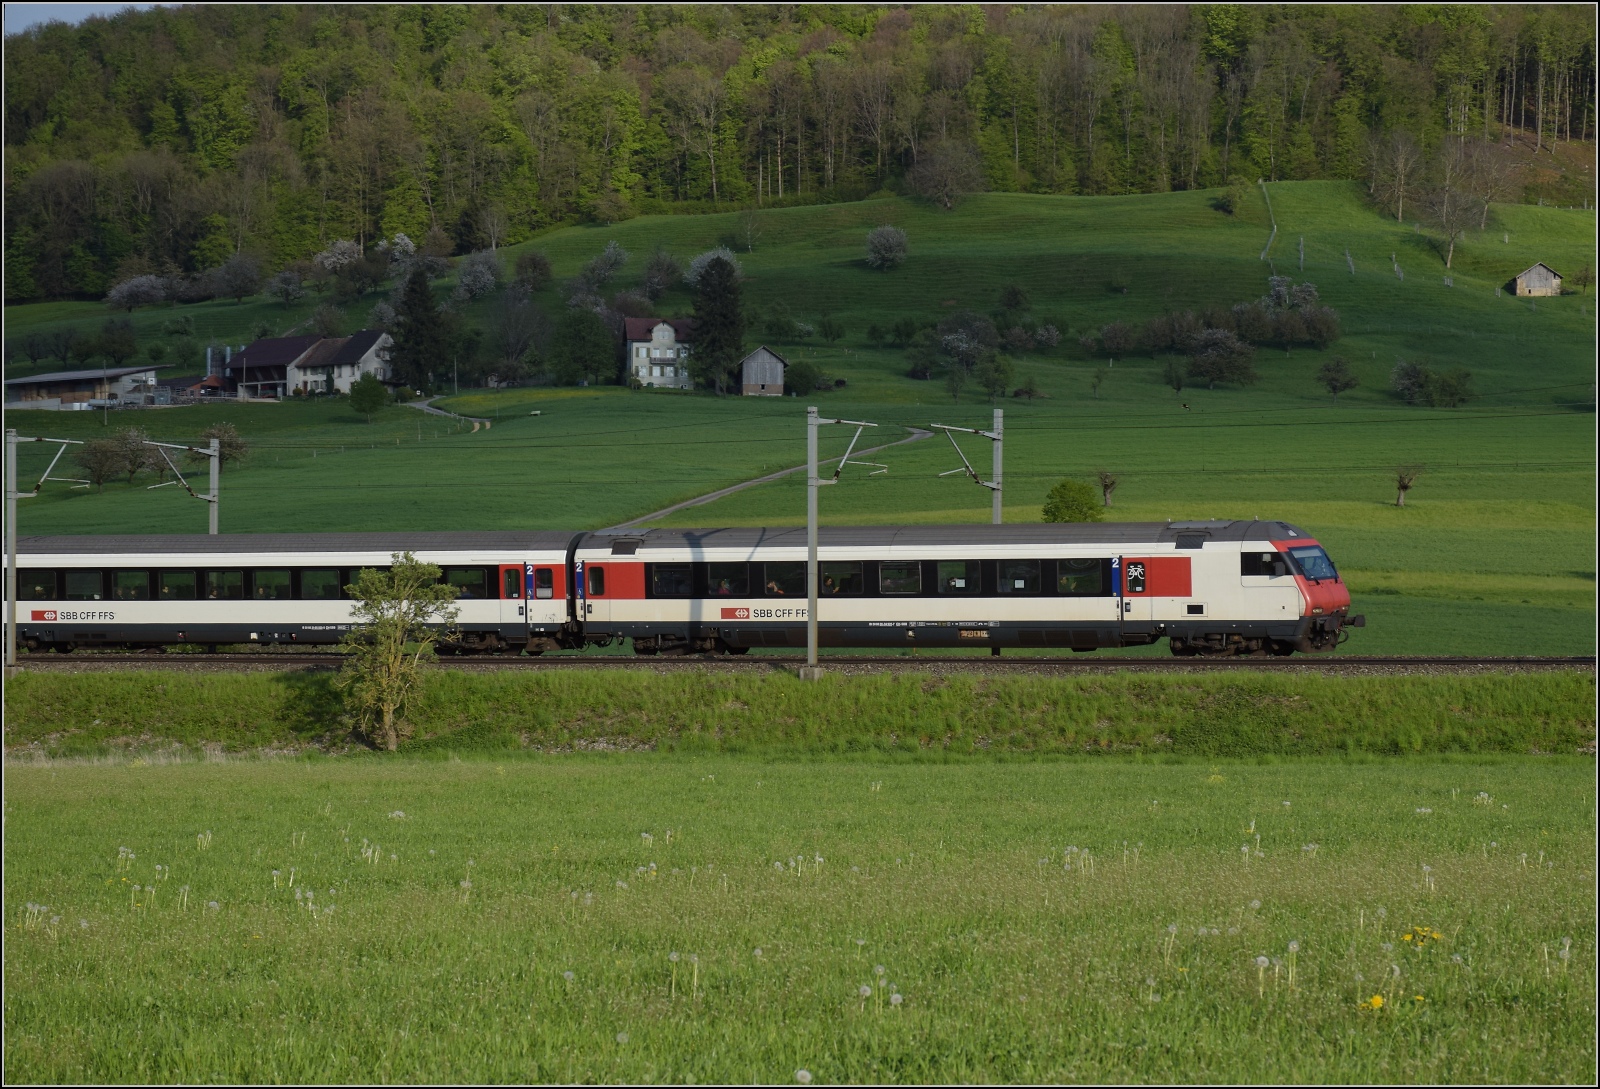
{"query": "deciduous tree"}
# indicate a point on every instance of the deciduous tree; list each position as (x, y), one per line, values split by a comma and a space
(1071, 501)
(399, 616)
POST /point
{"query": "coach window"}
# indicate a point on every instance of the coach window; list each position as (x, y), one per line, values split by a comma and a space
(511, 584)
(175, 585)
(224, 585)
(544, 583)
(271, 584)
(728, 579)
(785, 579)
(320, 584)
(900, 578)
(1079, 578)
(596, 577)
(36, 585)
(468, 581)
(130, 586)
(670, 579)
(84, 586)
(839, 579)
(1019, 576)
(958, 577)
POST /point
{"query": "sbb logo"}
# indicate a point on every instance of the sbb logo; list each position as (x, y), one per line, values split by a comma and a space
(736, 614)
(44, 614)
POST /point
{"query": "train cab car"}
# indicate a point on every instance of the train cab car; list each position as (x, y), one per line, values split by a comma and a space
(511, 588)
(1219, 588)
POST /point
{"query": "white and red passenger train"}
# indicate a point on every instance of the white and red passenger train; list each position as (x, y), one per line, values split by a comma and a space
(1222, 588)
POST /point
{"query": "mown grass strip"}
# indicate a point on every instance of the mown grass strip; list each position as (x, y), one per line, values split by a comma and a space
(1245, 714)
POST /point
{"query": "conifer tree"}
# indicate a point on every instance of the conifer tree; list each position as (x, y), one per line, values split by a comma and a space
(420, 345)
(719, 326)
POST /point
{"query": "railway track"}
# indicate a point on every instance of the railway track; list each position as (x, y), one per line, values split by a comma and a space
(83, 663)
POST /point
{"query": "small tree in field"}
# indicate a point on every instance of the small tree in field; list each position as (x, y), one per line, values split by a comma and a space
(1071, 501)
(399, 615)
(1336, 376)
(1108, 484)
(1404, 478)
(886, 247)
(368, 395)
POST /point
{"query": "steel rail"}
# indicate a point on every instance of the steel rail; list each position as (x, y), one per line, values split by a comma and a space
(899, 663)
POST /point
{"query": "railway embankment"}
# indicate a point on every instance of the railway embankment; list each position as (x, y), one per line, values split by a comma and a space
(163, 714)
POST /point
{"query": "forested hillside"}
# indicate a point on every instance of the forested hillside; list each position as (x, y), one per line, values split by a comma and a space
(165, 141)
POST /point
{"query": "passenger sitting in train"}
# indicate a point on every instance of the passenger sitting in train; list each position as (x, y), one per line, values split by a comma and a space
(773, 588)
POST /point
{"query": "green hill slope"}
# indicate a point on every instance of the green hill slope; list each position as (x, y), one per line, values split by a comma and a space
(1493, 551)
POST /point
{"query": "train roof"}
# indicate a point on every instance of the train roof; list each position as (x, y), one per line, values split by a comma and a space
(1068, 533)
(227, 543)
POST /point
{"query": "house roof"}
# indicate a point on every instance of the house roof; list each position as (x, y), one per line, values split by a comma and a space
(353, 347)
(640, 328)
(275, 351)
(769, 351)
(1539, 264)
(324, 354)
(85, 376)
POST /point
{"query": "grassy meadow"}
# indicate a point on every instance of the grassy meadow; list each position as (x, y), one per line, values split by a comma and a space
(640, 918)
(156, 714)
(1492, 554)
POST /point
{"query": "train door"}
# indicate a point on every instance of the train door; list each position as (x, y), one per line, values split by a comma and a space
(1134, 589)
(513, 609)
(594, 606)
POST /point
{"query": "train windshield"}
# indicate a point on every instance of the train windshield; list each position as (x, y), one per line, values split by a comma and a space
(1314, 563)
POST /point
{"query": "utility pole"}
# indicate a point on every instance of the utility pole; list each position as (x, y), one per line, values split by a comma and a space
(12, 495)
(214, 452)
(997, 437)
(811, 671)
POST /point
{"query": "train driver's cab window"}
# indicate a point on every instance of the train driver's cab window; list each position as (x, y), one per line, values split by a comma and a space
(728, 579)
(1019, 576)
(175, 586)
(84, 586)
(130, 586)
(900, 578)
(597, 581)
(320, 584)
(958, 577)
(1079, 578)
(271, 584)
(1263, 563)
(470, 582)
(839, 579)
(224, 585)
(671, 579)
(544, 583)
(36, 585)
(1314, 563)
(786, 579)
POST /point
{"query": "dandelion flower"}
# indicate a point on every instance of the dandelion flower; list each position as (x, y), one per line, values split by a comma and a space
(214, 906)
(803, 1077)
(1262, 962)
(1255, 904)
(1172, 928)
(1286, 805)
(622, 1037)
(865, 991)
(569, 976)
(1232, 930)
(896, 999)
(673, 957)
(1388, 947)
(758, 950)
(83, 924)
(1294, 947)
(1374, 1003)
(879, 969)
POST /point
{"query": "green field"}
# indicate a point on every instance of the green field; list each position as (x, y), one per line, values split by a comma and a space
(1043, 921)
(1493, 553)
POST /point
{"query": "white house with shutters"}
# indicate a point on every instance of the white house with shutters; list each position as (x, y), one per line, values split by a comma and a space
(658, 351)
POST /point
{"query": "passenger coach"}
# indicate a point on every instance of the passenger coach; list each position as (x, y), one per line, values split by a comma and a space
(1206, 587)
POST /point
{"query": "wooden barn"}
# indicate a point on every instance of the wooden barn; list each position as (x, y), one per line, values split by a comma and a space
(1541, 279)
(762, 372)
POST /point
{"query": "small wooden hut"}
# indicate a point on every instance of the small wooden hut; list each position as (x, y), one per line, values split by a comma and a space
(1540, 280)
